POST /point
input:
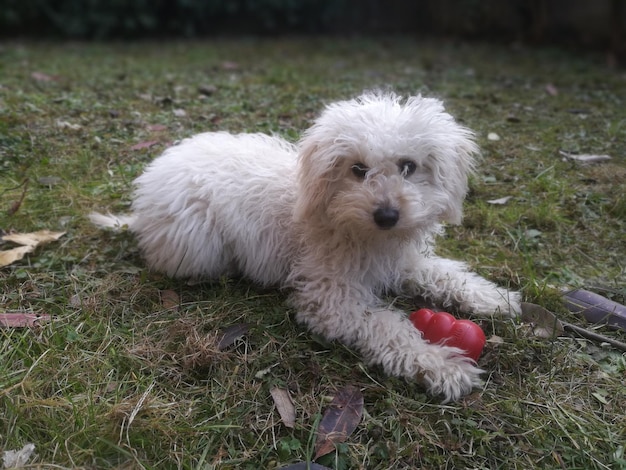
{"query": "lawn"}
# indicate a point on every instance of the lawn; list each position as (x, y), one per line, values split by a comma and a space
(128, 372)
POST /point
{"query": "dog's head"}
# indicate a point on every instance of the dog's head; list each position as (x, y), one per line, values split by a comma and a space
(382, 163)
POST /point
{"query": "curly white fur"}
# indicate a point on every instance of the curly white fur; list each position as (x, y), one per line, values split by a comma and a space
(348, 214)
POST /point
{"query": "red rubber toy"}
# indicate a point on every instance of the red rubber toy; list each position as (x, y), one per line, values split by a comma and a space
(441, 327)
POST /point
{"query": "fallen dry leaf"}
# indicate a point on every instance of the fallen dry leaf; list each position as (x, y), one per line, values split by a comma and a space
(552, 90)
(49, 180)
(44, 77)
(29, 242)
(207, 90)
(494, 339)
(169, 299)
(339, 420)
(68, 125)
(284, 405)
(21, 320)
(144, 145)
(584, 158)
(17, 458)
(501, 201)
(230, 65)
(231, 334)
(595, 308)
(543, 323)
(263, 372)
(11, 256)
(33, 238)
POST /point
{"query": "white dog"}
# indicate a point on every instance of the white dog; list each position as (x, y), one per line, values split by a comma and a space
(348, 214)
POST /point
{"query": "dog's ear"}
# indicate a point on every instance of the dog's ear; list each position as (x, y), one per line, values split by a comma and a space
(313, 182)
(456, 179)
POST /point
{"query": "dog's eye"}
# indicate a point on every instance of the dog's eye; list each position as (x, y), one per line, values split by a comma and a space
(359, 170)
(407, 167)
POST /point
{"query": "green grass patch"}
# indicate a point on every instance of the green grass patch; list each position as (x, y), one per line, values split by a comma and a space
(118, 380)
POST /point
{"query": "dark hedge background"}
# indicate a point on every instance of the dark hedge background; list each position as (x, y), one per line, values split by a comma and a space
(598, 23)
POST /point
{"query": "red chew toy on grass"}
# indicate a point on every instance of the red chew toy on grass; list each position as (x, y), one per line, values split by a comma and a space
(443, 327)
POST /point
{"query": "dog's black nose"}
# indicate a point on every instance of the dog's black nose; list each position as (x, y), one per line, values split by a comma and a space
(386, 217)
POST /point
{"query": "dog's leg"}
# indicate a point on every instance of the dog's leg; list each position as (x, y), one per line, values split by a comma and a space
(387, 337)
(449, 283)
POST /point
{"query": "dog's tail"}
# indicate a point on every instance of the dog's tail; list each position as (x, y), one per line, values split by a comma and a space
(115, 222)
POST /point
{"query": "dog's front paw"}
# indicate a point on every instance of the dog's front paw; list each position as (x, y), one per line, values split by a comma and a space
(495, 301)
(454, 378)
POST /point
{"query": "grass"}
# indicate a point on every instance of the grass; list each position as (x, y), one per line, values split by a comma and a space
(123, 379)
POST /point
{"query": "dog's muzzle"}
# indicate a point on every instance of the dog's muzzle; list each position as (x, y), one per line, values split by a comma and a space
(386, 217)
